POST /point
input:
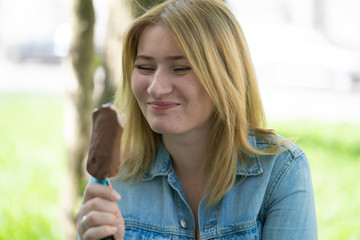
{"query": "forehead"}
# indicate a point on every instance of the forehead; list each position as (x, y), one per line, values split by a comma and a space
(158, 39)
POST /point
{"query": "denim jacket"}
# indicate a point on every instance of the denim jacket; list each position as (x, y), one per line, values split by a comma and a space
(272, 200)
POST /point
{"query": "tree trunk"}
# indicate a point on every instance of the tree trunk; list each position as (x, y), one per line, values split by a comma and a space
(119, 19)
(79, 108)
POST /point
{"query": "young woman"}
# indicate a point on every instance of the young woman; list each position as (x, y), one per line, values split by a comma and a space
(197, 160)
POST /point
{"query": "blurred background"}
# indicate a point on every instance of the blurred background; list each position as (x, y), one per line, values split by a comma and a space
(307, 57)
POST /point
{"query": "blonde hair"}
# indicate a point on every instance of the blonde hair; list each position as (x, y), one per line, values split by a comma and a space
(216, 49)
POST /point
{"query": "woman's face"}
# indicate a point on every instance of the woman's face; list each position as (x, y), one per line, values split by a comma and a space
(169, 94)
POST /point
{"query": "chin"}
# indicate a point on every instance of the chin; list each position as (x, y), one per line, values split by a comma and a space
(159, 125)
(161, 129)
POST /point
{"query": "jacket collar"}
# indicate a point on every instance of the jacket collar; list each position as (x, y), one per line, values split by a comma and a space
(162, 164)
(248, 169)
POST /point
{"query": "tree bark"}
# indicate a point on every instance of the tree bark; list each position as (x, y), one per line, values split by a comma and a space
(79, 108)
(119, 19)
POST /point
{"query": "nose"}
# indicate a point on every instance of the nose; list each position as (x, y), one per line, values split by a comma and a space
(160, 84)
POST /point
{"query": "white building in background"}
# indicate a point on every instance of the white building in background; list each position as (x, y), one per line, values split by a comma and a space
(303, 43)
(337, 20)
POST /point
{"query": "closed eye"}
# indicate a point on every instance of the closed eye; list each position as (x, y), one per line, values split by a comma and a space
(182, 69)
(144, 68)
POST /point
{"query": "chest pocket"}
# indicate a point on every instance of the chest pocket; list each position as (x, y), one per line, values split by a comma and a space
(138, 233)
(236, 233)
(247, 231)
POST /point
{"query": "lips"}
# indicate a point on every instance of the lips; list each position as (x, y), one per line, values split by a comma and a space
(162, 106)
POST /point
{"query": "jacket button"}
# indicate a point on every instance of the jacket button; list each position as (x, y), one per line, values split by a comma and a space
(184, 223)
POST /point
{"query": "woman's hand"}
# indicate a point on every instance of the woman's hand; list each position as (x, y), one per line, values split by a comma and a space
(102, 215)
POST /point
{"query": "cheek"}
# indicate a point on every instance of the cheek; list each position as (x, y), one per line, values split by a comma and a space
(202, 96)
(138, 85)
(204, 101)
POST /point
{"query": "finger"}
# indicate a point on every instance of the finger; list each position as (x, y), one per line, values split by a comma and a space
(100, 204)
(102, 191)
(81, 220)
(99, 232)
(97, 212)
(94, 219)
(97, 219)
(80, 226)
(120, 232)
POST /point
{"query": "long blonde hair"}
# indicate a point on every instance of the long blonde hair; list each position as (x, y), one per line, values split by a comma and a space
(216, 49)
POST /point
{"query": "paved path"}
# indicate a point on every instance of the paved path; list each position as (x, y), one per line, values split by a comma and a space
(32, 77)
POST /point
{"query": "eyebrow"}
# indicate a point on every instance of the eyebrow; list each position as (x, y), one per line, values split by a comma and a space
(149, 58)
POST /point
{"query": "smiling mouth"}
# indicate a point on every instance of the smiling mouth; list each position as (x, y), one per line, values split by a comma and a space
(162, 106)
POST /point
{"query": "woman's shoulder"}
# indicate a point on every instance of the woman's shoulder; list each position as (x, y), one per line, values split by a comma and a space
(288, 155)
(282, 145)
(283, 153)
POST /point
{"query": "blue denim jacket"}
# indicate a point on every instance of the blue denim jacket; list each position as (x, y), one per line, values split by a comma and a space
(275, 201)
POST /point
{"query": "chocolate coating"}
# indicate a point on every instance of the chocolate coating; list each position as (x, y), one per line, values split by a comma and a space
(104, 151)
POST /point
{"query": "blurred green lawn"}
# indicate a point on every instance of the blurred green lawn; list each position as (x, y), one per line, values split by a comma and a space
(32, 167)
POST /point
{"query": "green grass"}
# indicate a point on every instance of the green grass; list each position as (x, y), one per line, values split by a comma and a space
(333, 151)
(31, 166)
(32, 169)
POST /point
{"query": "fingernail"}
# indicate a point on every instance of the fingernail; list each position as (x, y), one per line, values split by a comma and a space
(116, 196)
(114, 229)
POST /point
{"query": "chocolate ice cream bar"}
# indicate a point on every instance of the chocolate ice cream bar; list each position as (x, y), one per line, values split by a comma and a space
(104, 151)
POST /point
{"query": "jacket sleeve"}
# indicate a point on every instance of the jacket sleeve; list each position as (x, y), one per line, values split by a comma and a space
(289, 208)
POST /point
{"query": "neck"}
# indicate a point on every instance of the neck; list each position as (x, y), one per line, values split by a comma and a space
(188, 153)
